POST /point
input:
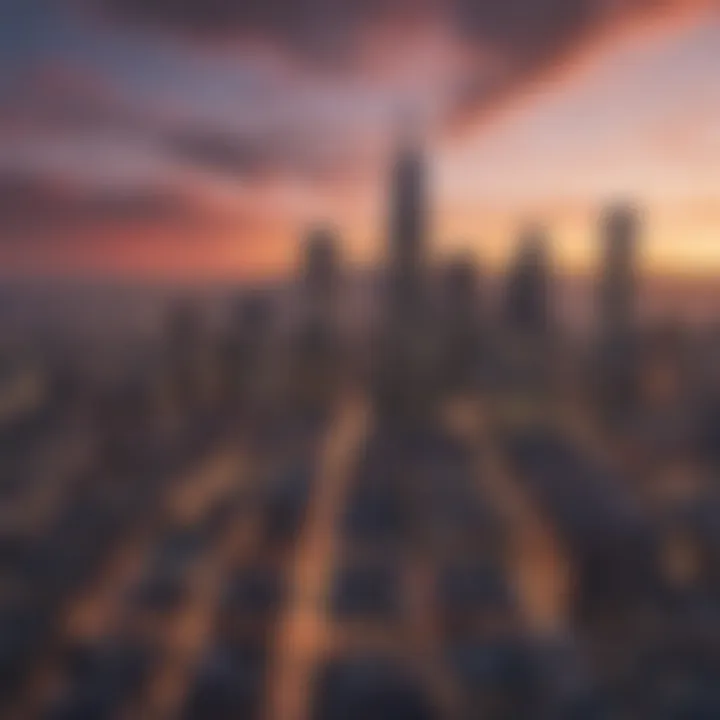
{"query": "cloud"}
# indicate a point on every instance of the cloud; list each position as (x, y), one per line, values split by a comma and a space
(472, 57)
(60, 98)
(315, 29)
(319, 114)
(524, 37)
(33, 207)
(536, 39)
(222, 152)
(527, 27)
(62, 102)
(269, 156)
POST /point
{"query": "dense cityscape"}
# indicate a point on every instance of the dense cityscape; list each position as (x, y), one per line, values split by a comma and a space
(451, 508)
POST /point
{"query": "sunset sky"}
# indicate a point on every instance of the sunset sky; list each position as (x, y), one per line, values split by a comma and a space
(199, 138)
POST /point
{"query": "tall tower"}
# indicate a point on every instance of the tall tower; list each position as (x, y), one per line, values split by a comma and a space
(460, 288)
(315, 346)
(459, 325)
(407, 226)
(527, 292)
(527, 371)
(617, 347)
(406, 348)
(617, 288)
(246, 351)
(320, 271)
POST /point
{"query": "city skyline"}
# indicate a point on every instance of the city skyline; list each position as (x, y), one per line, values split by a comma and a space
(428, 474)
(138, 145)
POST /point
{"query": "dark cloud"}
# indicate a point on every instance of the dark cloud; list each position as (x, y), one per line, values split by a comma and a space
(221, 152)
(533, 38)
(524, 38)
(528, 35)
(33, 207)
(261, 156)
(528, 27)
(525, 28)
(60, 99)
(62, 96)
(314, 28)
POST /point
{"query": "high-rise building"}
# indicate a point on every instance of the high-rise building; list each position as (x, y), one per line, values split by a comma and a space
(406, 347)
(524, 367)
(460, 287)
(407, 228)
(315, 352)
(617, 287)
(527, 291)
(245, 350)
(616, 315)
(184, 337)
(706, 391)
(459, 326)
(320, 270)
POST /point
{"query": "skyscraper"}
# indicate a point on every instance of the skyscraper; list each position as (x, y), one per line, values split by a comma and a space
(406, 349)
(320, 270)
(527, 301)
(246, 346)
(459, 326)
(525, 361)
(315, 352)
(617, 287)
(460, 286)
(407, 228)
(184, 338)
(616, 300)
